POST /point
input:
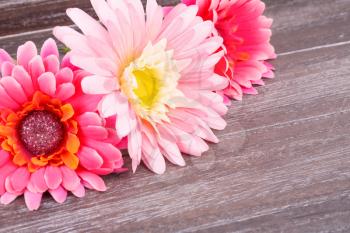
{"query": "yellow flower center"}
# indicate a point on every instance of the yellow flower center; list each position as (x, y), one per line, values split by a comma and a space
(148, 86)
(150, 83)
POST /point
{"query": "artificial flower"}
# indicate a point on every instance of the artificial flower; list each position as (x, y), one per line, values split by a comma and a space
(156, 76)
(246, 33)
(52, 139)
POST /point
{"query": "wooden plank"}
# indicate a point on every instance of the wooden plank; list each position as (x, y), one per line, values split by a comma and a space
(28, 15)
(282, 165)
(298, 24)
(23, 15)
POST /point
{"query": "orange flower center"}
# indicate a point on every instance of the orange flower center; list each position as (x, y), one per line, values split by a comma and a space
(43, 132)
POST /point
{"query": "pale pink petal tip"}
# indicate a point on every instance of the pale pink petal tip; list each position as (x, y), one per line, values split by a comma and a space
(49, 48)
(32, 200)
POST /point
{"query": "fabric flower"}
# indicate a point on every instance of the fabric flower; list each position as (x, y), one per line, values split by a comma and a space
(246, 33)
(51, 137)
(156, 76)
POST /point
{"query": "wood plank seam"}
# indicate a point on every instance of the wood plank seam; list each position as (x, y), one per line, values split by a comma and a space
(278, 54)
(314, 48)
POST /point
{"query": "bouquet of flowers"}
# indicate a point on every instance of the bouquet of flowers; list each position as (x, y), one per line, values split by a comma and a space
(152, 81)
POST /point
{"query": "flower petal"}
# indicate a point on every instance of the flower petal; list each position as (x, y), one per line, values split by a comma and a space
(32, 200)
(20, 179)
(70, 160)
(59, 194)
(53, 177)
(25, 53)
(49, 48)
(70, 179)
(47, 83)
(89, 158)
(93, 180)
(73, 143)
(7, 198)
(38, 181)
(79, 191)
(98, 85)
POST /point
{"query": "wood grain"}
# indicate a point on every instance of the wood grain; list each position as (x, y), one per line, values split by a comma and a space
(282, 165)
(298, 24)
(23, 15)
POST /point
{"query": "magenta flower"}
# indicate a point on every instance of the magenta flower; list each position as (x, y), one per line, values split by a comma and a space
(246, 33)
(52, 140)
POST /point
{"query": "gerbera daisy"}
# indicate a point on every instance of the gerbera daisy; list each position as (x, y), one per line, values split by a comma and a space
(246, 33)
(51, 137)
(156, 75)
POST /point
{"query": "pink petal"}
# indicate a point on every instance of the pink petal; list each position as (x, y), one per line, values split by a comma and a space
(52, 64)
(189, 144)
(5, 171)
(89, 118)
(93, 180)
(134, 147)
(79, 191)
(152, 157)
(5, 57)
(70, 179)
(36, 68)
(95, 65)
(14, 89)
(95, 132)
(59, 194)
(19, 179)
(6, 68)
(7, 198)
(106, 150)
(65, 91)
(118, 104)
(49, 48)
(47, 83)
(32, 200)
(87, 24)
(65, 75)
(38, 181)
(85, 103)
(6, 101)
(53, 177)
(109, 105)
(25, 53)
(4, 157)
(171, 151)
(65, 63)
(89, 158)
(23, 78)
(251, 91)
(98, 85)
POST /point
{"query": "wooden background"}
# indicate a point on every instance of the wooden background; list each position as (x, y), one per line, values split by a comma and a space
(282, 165)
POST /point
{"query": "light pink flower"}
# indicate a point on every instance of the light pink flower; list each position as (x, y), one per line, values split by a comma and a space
(246, 33)
(52, 140)
(156, 75)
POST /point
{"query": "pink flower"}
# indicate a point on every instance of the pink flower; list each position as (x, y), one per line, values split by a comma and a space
(51, 137)
(246, 33)
(156, 75)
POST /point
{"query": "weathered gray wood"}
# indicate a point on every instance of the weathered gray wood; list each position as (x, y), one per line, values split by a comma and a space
(23, 15)
(301, 24)
(298, 24)
(282, 164)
